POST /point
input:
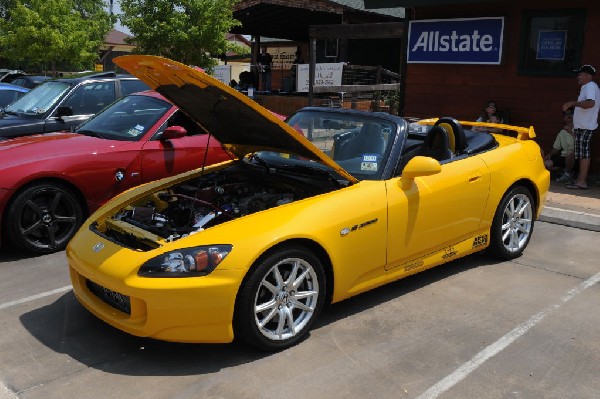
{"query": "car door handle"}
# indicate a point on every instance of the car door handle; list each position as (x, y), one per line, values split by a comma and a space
(474, 177)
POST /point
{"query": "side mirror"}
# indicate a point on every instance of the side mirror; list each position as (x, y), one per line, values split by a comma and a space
(173, 132)
(419, 166)
(64, 111)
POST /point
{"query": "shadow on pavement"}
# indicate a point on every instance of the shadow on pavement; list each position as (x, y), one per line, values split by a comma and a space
(66, 327)
(10, 254)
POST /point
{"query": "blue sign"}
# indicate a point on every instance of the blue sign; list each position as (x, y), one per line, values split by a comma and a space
(456, 41)
(551, 45)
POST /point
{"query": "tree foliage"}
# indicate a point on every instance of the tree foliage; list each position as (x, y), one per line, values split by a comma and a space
(189, 31)
(56, 32)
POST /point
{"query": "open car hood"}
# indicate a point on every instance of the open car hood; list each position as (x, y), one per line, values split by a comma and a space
(240, 124)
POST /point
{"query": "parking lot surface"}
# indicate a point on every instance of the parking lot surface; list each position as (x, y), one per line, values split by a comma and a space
(473, 328)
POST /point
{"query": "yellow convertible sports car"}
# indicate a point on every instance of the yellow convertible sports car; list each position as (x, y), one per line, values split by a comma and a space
(331, 203)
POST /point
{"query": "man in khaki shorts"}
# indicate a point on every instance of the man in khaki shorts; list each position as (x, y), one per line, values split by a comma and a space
(562, 155)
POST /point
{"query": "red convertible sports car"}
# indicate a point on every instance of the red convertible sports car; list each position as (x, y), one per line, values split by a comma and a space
(51, 182)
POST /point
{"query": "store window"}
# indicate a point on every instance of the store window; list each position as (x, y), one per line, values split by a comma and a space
(551, 42)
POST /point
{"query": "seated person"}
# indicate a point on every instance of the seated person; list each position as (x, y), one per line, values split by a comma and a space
(562, 155)
(490, 115)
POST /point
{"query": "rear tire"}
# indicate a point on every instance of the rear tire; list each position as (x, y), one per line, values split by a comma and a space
(513, 224)
(280, 301)
(43, 218)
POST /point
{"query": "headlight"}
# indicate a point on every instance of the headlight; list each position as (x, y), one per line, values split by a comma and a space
(185, 262)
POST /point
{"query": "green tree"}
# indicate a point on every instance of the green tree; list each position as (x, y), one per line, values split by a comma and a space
(189, 31)
(5, 5)
(56, 32)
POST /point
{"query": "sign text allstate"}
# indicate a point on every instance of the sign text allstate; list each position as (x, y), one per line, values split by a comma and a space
(456, 41)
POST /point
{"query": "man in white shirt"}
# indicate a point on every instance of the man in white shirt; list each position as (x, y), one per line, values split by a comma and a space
(585, 121)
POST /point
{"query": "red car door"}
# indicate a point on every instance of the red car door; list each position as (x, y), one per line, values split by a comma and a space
(108, 172)
(170, 157)
(162, 158)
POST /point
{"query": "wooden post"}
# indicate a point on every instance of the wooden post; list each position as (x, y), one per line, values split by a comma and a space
(311, 70)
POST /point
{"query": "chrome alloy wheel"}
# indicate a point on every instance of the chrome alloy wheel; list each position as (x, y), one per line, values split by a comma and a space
(517, 223)
(286, 299)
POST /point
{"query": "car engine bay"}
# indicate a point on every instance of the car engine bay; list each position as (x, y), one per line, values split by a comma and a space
(209, 200)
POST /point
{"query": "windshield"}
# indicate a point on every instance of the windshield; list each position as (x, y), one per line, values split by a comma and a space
(39, 100)
(360, 144)
(127, 120)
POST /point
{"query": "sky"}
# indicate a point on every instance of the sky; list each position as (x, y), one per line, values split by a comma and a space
(117, 11)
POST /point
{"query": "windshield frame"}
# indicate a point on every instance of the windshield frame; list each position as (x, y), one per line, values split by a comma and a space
(392, 127)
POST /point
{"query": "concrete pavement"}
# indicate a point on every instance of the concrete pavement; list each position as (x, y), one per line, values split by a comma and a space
(574, 208)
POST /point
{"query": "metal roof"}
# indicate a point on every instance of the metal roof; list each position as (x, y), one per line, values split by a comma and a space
(287, 20)
(384, 4)
(397, 12)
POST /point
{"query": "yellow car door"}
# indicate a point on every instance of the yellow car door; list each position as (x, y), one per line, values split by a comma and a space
(432, 213)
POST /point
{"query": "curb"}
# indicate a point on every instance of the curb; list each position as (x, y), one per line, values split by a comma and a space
(578, 219)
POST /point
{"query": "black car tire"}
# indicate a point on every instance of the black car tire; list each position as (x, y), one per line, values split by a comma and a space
(43, 218)
(280, 300)
(513, 224)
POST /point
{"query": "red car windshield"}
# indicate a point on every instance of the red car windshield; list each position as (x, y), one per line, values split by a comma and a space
(128, 119)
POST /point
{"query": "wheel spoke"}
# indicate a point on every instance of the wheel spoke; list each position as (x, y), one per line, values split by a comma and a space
(299, 305)
(55, 202)
(28, 230)
(290, 320)
(266, 306)
(274, 290)
(65, 219)
(52, 241)
(511, 207)
(293, 274)
(514, 239)
(305, 294)
(34, 207)
(524, 225)
(300, 279)
(268, 318)
(278, 277)
(522, 208)
(281, 322)
(505, 233)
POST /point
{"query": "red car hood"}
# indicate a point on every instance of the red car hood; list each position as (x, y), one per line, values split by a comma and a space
(43, 146)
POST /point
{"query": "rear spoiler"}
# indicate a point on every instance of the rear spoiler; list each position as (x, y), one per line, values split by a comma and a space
(523, 133)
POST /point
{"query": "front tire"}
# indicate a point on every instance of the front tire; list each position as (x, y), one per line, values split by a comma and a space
(280, 301)
(513, 224)
(43, 218)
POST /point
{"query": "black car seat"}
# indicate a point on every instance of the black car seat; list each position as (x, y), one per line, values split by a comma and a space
(456, 136)
(436, 144)
(369, 140)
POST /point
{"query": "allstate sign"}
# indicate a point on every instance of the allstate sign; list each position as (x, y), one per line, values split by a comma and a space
(456, 41)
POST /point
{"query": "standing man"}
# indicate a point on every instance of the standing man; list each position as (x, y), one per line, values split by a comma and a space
(294, 70)
(265, 62)
(585, 121)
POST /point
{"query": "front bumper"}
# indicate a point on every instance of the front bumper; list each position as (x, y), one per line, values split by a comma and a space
(195, 309)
